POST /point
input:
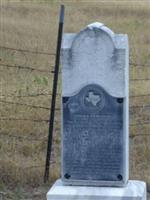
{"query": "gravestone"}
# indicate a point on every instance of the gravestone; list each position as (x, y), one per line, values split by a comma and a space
(95, 107)
(94, 132)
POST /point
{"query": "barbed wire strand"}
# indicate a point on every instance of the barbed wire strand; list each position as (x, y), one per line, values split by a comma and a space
(28, 95)
(23, 137)
(45, 137)
(43, 94)
(28, 51)
(46, 53)
(49, 94)
(28, 105)
(47, 120)
(52, 71)
(26, 68)
(47, 108)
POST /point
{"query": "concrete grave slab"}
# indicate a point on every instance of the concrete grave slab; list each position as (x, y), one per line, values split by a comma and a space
(134, 190)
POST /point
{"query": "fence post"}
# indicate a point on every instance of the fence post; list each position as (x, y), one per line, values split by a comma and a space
(55, 80)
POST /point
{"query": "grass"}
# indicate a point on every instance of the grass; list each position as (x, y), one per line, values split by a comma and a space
(33, 26)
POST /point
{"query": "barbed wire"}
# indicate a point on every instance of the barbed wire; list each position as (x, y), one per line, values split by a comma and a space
(18, 136)
(138, 64)
(50, 94)
(46, 94)
(28, 105)
(30, 138)
(47, 108)
(140, 123)
(38, 166)
(140, 95)
(140, 106)
(28, 95)
(139, 79)
(46, 53)
(26, 68)
(24, 104)
(47, 120)
(28, 51)
(52, 71)
(139, 134)
(24, 119)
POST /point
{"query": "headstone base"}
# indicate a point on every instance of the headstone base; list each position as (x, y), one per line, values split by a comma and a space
(134, 190)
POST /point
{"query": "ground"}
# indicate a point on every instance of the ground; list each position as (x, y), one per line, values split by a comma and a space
(27, 56)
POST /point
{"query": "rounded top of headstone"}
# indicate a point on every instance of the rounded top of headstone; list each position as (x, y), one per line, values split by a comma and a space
(95, 55)
(95, 34)
(101, 26)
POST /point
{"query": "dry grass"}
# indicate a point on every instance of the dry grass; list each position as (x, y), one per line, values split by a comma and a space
(33, 26)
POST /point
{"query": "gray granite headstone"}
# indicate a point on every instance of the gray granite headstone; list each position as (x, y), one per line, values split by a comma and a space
(95, 107)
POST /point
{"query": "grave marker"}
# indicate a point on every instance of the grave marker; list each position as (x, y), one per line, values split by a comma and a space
(94, 133)
(95, 107)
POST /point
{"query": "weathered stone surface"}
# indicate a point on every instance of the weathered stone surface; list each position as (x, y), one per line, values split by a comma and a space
(95, 107)
(95, 55)
(92, 135)
(134, 190)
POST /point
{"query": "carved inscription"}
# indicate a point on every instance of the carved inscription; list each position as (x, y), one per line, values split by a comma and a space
(93, 141)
